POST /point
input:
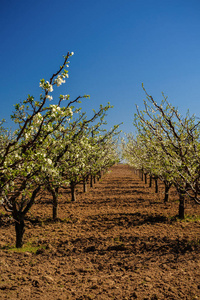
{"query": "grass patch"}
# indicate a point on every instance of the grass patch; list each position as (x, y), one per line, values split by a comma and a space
(26, 248)
(189, 218)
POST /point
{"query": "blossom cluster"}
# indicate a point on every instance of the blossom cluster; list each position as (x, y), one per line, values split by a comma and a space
(45, 85)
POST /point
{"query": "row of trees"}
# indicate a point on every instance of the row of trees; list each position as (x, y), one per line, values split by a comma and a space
(166, 146)
(54, 146)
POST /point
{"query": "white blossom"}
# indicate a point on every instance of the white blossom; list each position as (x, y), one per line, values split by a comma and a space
(46, 86)
(59, 80)
(66, 75)
(49, 161)
(49, 97)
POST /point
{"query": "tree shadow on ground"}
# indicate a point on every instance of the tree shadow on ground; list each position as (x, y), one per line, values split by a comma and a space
(130, 245)
(130, 219)
(45, 221)
(125, 192)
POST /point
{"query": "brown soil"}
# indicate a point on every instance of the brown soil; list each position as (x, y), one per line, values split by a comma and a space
(117, 241)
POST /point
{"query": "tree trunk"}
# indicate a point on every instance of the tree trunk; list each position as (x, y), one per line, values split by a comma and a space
(72, 186)
(156, 185)
(19, 216)
(55, 204)
(19, 230)
(181, 213)
(142, 175)
(150, 181)
(94, 178)
(167, 187)
(84, 185)
(54, 193)
(91, 181)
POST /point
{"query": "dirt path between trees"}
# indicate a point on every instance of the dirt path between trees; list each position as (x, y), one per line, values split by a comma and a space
(117, 241)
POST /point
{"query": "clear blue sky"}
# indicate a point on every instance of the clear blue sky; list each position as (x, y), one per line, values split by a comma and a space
(118, 44)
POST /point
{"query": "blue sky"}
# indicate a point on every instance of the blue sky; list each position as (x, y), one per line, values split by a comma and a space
(118, 44)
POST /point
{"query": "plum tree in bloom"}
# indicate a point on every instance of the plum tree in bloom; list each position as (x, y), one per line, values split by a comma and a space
(31, 157)
(175, 141)
(24, 156)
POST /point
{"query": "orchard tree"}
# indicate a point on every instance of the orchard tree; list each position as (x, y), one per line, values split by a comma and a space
(176, 142)
(25, 157)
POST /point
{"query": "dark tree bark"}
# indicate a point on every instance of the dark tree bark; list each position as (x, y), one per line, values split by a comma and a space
(55, 203)
(54, 193)
(167, 187)
(156, 185)
(19, 216)
(150, 181)
(73, 194)
(19, 230)
(84, 185)
(145, 178)
(181, 213)
(91, 181)
(142, 175)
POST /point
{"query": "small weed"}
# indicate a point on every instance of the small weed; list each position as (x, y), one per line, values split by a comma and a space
(187, 218)
(194, 242)
(193, 218)
(117, 239)
(26, 248)
(6, 247)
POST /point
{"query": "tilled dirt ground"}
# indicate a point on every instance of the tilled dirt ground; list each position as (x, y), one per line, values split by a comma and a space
(117, 241)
